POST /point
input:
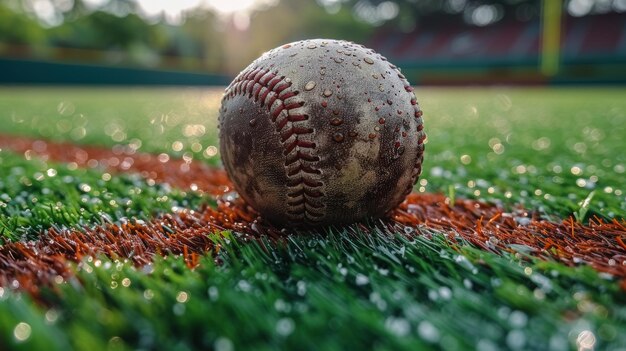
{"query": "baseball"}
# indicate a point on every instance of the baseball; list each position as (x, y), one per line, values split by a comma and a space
(321, 132)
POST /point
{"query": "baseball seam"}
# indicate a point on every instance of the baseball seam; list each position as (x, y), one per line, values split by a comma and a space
(305, 189)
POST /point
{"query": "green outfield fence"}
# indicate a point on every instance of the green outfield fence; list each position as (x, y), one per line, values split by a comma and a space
(20, 71)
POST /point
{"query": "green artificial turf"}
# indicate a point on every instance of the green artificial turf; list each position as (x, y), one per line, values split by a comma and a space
(36, 195)
(547, 149)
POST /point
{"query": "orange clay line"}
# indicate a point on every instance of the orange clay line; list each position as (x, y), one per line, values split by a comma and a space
(495, 217)
(617, 223)
(479, 226)
(621, 243)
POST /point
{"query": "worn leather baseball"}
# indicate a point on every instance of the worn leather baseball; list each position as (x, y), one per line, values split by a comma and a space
(321, 132)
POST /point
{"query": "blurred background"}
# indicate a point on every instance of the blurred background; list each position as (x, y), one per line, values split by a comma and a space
(206, 42)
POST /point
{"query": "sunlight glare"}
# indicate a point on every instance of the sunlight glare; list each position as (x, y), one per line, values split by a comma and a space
(232, 6)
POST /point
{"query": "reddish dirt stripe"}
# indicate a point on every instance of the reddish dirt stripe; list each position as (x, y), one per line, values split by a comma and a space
(39, 263)
(486, 226)
(161, 168)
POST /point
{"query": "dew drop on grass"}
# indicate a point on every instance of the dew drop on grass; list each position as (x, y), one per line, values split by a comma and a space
(148, 294)
(516, 339)
(301, 288)
(361, 279)
(428, 332)
(51, 316)
(558, 343)
(397, 326)
(281, 306)
(586, 340)
(445, 293)
(285, 326)
(22, 331)
(518, 319)
(465, 263)
(223, 344)
(383, 271)
(179, 309)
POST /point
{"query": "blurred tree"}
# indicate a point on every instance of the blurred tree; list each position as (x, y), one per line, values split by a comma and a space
(19, 28)
(289, 21)
(200, 29)
(407, 14)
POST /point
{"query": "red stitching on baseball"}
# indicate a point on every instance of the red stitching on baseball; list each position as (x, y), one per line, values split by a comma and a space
(300, 156)
(283, 122)
(295, 130)
(294, 105)
(289, 94)
(273, 98)
(281, 87)
(272, 91)
(264, 96)
(273, 83)
(278, 110)
(305, 169)
(298, 143)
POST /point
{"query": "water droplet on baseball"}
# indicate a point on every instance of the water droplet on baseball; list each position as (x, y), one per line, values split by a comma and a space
(338, 137)
(311, 46)
(309, 86)
(336, 121)
(338, 59)
(328, 93)
(389, 102)
(286, 46)
(324, 104)
(418, 114)
(408, 88)
(381, 120)
(368, 60)
(375, 76)
(400, 150)
(253, 122)
(288, 80)
(381, 88)
(352, 134)
(372, 136)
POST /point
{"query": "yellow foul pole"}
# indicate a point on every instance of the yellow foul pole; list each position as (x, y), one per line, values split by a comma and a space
(551, 37)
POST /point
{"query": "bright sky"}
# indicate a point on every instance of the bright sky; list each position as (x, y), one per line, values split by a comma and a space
(49, 11)
(173, 9)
